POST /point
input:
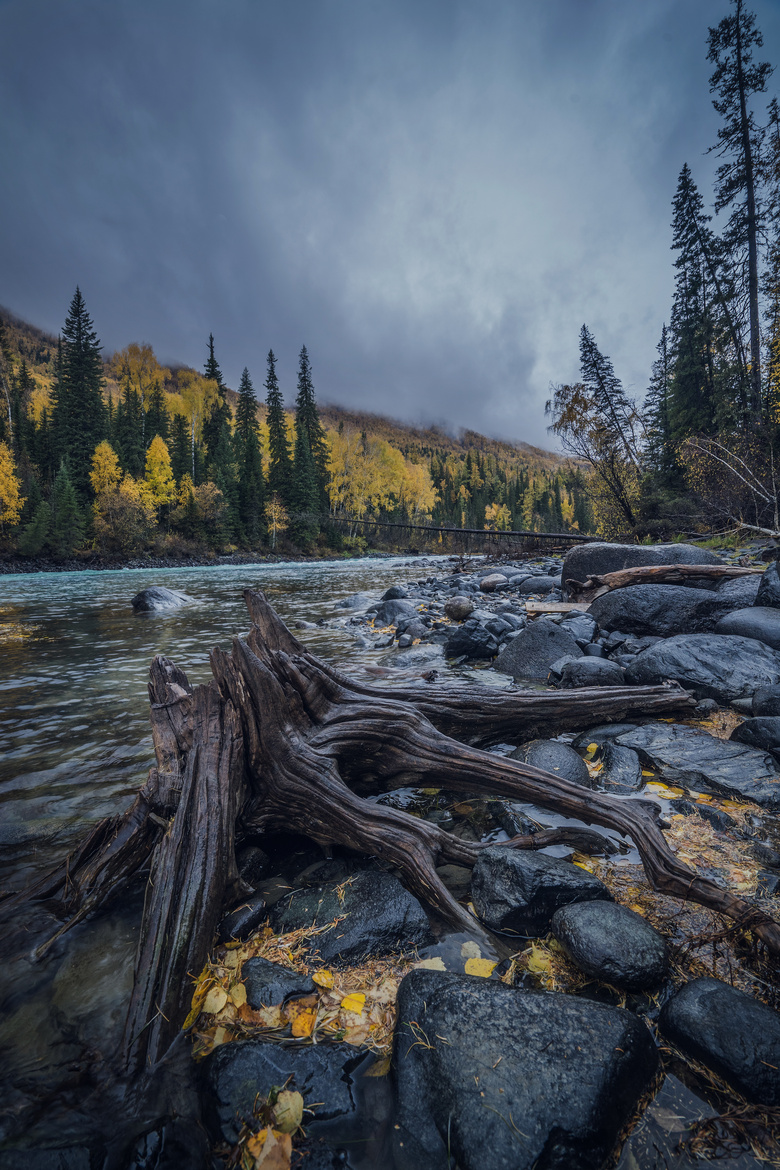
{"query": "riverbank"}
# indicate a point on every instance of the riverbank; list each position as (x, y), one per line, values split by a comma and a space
(95, 562)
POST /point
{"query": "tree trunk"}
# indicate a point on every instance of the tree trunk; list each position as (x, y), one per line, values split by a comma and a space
(597, 584)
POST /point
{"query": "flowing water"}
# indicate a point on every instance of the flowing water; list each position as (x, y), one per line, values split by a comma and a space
(74, 746)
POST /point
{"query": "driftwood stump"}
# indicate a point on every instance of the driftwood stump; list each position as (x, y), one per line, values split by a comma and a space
(281, 740)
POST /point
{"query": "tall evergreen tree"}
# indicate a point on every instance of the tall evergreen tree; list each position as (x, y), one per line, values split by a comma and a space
(249, 461)
(310, 455)
(78, 412)
(280, 463)
(735, 79)
(616, 411)
(659, 450)
(158, 419)
(128, 433)
(211, 368)
(180, 448)
(307, 418)
(67, 522)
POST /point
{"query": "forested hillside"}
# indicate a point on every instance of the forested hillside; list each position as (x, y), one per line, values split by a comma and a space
(118, 453)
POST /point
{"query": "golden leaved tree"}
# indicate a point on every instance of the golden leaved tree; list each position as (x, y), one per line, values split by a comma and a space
(11, 499)
(159, 473)
(106, 474)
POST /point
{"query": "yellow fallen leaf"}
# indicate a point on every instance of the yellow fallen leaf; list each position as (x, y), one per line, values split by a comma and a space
(482, 967)
(288, 1111)
(436, 964)
(220, 1036)
(646, 773)
(470, 950)
(593, 747)
(303, 1024)
(380, 1068)
(215, 1000)
(357, 1035)
(354, 1002)
(538, 961)
(238, 994)
(584, 862)
(323, 978)
(270, 1150)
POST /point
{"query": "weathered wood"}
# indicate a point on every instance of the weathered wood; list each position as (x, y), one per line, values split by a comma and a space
(597, 584)
(532, 608)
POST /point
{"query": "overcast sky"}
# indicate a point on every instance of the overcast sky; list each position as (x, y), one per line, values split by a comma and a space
(432, 195)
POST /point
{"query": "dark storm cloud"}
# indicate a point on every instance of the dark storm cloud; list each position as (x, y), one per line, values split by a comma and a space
(433, 196)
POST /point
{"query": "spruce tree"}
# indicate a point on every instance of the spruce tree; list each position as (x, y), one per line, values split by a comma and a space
(79, 413)
(158, 420)
(735, 79)
(280, 463)
(659, 449)
(128, 433)
(180, 447)
(67, 522)
(307, 419)
(615, 410)
(249, 461)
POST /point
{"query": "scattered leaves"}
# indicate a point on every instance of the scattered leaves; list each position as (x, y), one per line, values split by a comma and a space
(482, 967)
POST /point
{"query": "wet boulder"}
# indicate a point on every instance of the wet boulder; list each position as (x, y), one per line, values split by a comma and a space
(762, 732)
(553, 756)
(539, 584)
(741, 591)
(531, 654)
(236, 1074)
(493, 1078)
(713, 666)
(612, 943)
(387, 613)
(733, 1034)
(768, 593)
(269, 983)
(356, 601)
(472, 640)
(582, 627)
(761, 622)
(458, 607)
(518, 892)
(692, 758)
(660, 610)
(492, 582)
(379, 916)
(591, 672)
(766, 701)
(395, 593)
(158, 598)
(241, 922)
(599, 557)
(621, 768)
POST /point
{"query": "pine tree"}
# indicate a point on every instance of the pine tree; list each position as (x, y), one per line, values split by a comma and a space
(128, 433)
(79, 413)
(307, 419)
(280, 463)
(158, 420)
(67, 522)
(36, 533)
(616, 411)
(180, 448)
(246, 442)
(735, 80)
(659, 450)
(211, 368)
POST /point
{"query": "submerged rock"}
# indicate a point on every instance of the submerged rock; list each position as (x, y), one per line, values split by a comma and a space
(531, 654)
(729, 1031)
(518, 892)
(379, 916)
(692, 758)
(157, 597)
(612, 943)
(713, 666)
(493, 1078)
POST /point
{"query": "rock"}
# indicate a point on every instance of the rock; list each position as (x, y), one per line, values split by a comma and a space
(553, 756)
(387, 613)
(766, 701)
(270, 983)
(413, 629)
(719, 820)
(599, 557)
(236, 1074)
(394, 593)
(582, 627)
(459, 607)
(241, 922)
(741, 591)
(592, 672)
(518, 892)
(762, 732)
(492, 1078)
(61, 1158)
(761, 622)
(601, 734)
(157, 597)
(713, 666)
(661, 610)
(531, 654)
(612, 943)
(538, 585)
(691, 757)
(621, 768)
(380, 916)
(594, 650)
(471, 639)
(729, 1031)
(492, 582)
(768, 593)
(356, 601)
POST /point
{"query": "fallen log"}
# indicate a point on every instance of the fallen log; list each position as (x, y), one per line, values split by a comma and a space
(597, 584)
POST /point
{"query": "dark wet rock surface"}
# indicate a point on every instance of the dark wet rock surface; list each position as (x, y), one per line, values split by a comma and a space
(531, 654)
(768, 592)
(715, 666)
(732, 1033)
(517, 892)
(236, 1074)
(612, 943)
(499, 1079)
(598, 558)
(741, 591)
(380, 917)
(240, 923)
(556, 757)
(719, 819)
(472, 640)
(661, 610)
(621, 768)
(458, 607)
(692, 758)
(766, 701)
(591, 672)
(762, 732)
(761, 622)
(270, 983)
(158, 597)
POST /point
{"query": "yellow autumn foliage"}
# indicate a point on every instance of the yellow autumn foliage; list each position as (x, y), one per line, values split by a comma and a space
(11, 499)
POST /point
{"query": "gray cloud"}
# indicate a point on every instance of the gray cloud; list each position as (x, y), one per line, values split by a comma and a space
(432, 196)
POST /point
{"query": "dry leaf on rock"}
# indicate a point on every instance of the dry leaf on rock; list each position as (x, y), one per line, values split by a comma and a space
(288, 1111)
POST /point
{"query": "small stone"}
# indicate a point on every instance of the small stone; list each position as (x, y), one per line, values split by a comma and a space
(241, 922)
(553, 756)
(270, 983)
(492, 582)
(612, 943)
(459, 607)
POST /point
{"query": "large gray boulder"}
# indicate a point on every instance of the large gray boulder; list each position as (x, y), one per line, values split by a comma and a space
(761, 622)
(742, 591)
(518, 892)
(713, 666)
(588, 559)
(591, 672)
(493, 1078)
(729, 1031)
(531, 654)
(661, 610)
(692, 758)
(157, 598)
